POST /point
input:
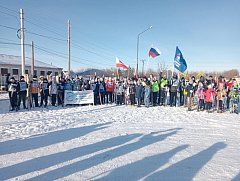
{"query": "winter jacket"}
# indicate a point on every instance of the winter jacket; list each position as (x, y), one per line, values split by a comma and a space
(221, 94)
(67, 86)
(190, 90)
(139, 91)
(12, 87)
(53, 88)
(147, 92)
(174, 85)
(209, 95)
(163, 83)
(132, 89)
(155, 86)
(34, 86)
(110, 86)
(119, 89)
(200, 93)
(102, 87)
(22, 86)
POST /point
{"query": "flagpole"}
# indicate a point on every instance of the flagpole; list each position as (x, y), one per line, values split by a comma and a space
(118, 73)
(173, 68)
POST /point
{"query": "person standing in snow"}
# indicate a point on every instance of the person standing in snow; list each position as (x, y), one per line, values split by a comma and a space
(147, 94)
(132, 92)
(163, 86)
(110, 86)
(119, 92)
(190, 95)
(173, 90)
(101, 90)
(44, 90)
(229, 86)
(95, 88)
(209, 97)
(34, 88)
(200, 96)
(182, 85)
(22, 92)
(12, 90)
(139, 92)
(220, 95)
(155, 90)
(53, 89)
(60, 94)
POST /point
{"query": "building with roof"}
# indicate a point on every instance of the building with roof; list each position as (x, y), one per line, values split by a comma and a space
(11, 64)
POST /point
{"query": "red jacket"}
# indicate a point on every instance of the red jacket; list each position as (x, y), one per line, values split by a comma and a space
(229, 85)
(110, 86)
(209, 95)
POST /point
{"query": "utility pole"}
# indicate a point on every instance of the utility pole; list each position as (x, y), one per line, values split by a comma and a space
(137, 55)
(68, 44)
(22, 41)
(138, 37)
(32, 61)
(143, 61)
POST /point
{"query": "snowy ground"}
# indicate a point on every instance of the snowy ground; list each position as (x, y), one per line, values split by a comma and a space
(118, 143)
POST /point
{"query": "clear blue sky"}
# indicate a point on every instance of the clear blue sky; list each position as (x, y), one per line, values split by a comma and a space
(206, 31)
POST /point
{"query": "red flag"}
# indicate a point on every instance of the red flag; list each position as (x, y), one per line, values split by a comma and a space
(120, 65)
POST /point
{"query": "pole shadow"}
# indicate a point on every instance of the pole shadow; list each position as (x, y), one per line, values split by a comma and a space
(103, 157)
(189, 167)
(142, 168)
(42, 140)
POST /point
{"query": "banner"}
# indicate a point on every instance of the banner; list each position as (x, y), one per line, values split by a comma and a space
(78, 97)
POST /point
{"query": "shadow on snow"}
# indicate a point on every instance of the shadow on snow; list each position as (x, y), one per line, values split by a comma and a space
(87, 163)
(142, 168)
(186, 169)
(46, 139)
(61, 157)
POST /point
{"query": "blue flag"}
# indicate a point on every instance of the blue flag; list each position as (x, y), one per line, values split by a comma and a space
(179, 62)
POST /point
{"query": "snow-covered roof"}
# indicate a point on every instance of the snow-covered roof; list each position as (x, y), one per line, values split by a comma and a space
(16, 60)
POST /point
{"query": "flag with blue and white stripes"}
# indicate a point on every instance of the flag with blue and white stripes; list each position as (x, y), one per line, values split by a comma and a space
(179, 62)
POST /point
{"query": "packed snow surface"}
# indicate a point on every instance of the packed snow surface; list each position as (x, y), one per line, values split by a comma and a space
(118, 143)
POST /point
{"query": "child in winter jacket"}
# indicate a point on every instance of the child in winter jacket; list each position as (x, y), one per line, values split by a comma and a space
(209, 94)
(200, 96)
(220, 96)
(190, 95)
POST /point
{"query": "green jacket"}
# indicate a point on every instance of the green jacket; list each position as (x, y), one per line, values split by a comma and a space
(155, 86)
(163, 83)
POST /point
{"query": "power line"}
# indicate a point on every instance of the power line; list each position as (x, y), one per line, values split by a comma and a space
(43, 27)
(10, 15)
(8, 9)
(54, 38)
(64, 56)
(8, 27)
(44, 36)
(10, 43)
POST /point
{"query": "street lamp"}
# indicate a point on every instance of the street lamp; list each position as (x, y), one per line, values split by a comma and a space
(138, 47)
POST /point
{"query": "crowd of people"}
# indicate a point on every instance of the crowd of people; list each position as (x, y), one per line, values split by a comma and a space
(206, 94)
